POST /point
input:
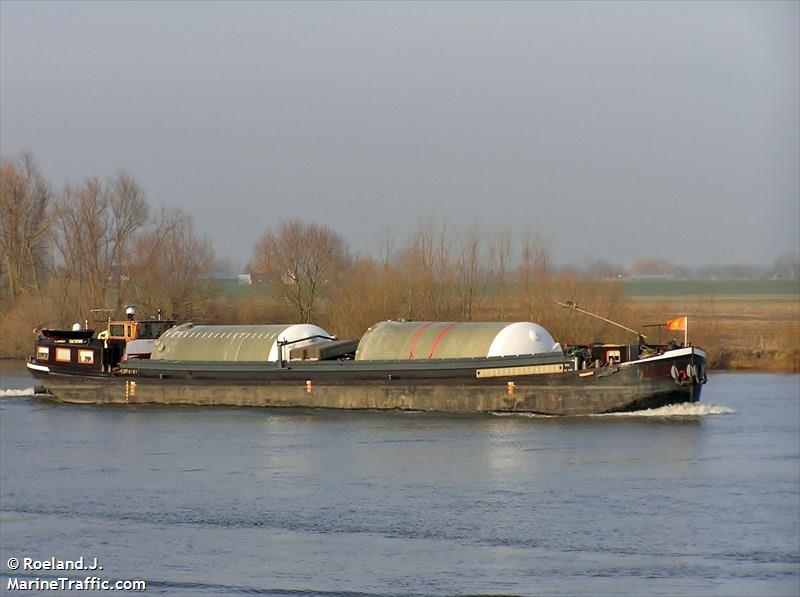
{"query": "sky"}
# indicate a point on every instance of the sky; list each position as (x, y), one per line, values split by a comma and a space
(613, 130)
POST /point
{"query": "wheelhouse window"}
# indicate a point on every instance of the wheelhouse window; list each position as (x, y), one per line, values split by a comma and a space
(116, 329)
(64, 355)
(86, 357)
(152, 329)
(43, 353)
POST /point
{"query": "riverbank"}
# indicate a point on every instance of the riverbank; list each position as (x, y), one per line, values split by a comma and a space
(740, 332)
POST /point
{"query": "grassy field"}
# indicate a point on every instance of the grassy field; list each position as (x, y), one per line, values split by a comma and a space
(743, 324)
(732, 289)
(636, 289)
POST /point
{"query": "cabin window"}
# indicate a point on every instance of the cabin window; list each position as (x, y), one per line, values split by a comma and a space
(43, 353)
(86, 357)
(64, 355)
(128, 331)
(116, 330)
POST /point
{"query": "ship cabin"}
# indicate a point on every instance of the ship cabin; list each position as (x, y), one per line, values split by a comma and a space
(79, 350)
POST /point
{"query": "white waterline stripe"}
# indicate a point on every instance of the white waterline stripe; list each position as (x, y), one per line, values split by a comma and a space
(36, 367)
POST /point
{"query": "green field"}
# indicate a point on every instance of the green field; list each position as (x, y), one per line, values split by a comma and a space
(779, 289)
(720, 288)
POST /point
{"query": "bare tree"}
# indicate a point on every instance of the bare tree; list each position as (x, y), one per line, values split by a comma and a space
(416, 263)
(368, 292)
(470, 273)
(129, 211)
(25, 197)
(534, 277)
(526, 274)
(389, 277)
(301, 261)
(171, 266)
(81, 237)
(95, 225)
(430, 274)
(500, 254)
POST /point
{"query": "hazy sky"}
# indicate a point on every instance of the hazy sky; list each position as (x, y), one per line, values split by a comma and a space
(616, 130)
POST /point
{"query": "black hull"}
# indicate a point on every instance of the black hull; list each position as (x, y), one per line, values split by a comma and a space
(532, 385)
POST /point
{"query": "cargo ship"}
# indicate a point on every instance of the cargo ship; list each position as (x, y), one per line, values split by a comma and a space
(458, 367)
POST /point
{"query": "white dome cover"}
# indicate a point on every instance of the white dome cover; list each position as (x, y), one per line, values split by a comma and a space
(522, 337)
(295, 332)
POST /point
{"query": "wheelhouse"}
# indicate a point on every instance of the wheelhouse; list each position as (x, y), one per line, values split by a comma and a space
(81, 351)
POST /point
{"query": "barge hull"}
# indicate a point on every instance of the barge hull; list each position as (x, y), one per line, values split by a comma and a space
(640, 385)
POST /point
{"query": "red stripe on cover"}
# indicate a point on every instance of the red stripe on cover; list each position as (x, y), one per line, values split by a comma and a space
(414, 341)
(439, 337)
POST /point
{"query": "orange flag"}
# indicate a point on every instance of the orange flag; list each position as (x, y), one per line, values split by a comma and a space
(678, 324)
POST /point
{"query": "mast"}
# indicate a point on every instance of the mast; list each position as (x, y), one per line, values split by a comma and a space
(574, 306)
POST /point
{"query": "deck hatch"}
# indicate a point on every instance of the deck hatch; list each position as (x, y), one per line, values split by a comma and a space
(527, 370)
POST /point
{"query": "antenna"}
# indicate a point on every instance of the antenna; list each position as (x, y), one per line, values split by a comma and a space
(574, 306)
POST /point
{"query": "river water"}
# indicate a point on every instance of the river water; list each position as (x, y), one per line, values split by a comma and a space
(694, 500)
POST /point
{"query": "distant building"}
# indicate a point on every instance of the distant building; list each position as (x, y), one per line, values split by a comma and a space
(245, 280)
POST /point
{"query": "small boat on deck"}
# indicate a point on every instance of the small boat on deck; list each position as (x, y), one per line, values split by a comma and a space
(461, 367)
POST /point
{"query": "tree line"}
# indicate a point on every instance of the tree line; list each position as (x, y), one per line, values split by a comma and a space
(98, 244)
(438, 274)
